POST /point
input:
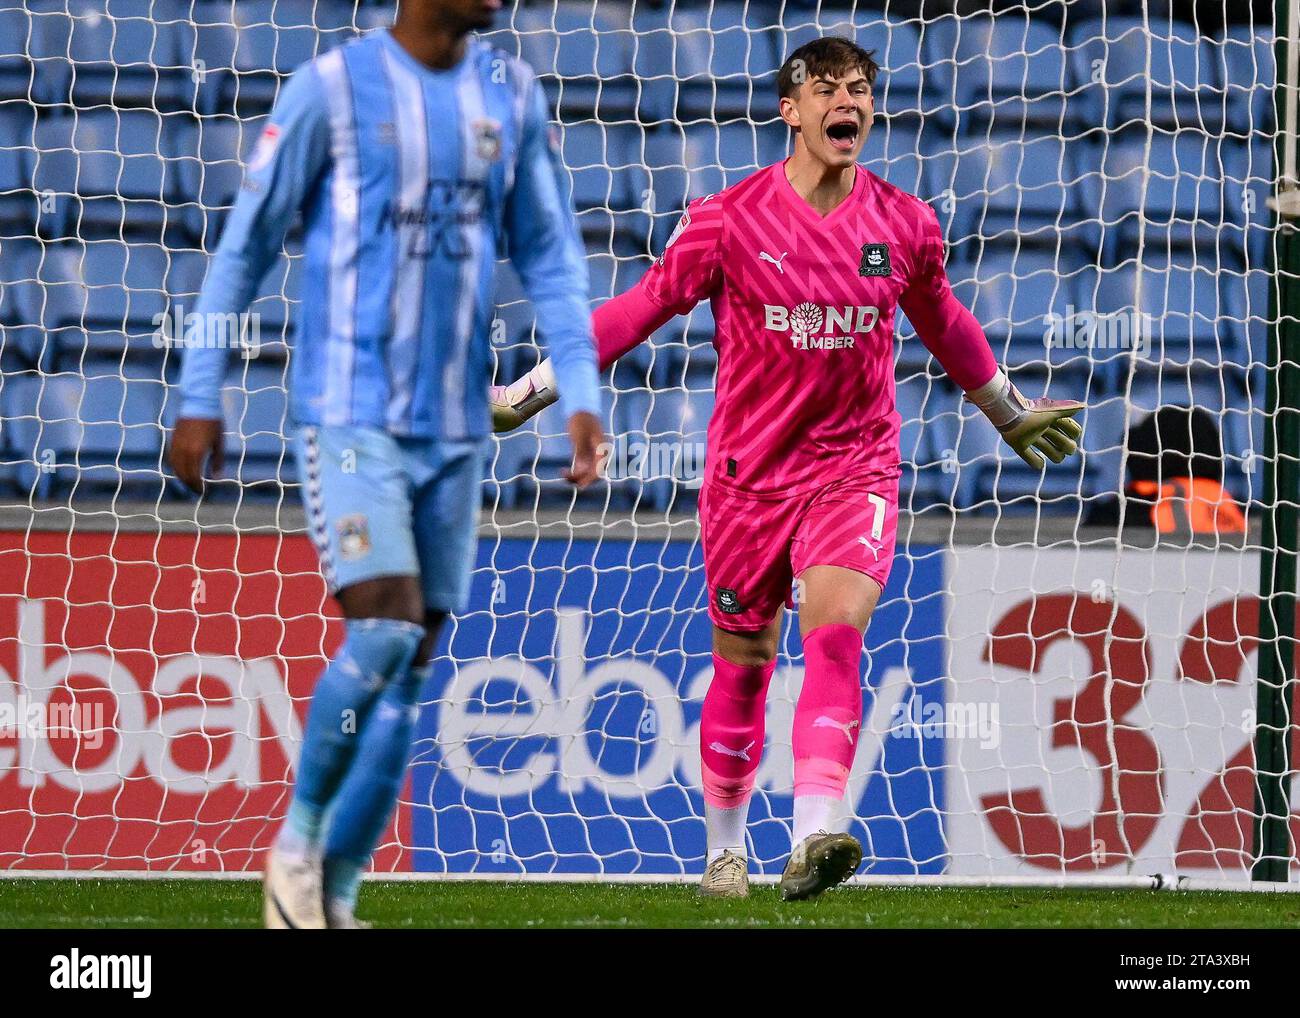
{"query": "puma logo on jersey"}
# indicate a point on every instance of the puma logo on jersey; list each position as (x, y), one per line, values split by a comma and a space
(739, 754)
(822, 721)
(763, 256)
(866, 543)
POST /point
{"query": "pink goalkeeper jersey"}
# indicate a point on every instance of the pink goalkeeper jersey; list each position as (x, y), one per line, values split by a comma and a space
(804, 308)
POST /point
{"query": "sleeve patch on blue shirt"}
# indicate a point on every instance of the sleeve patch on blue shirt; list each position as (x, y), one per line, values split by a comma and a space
(264, 151)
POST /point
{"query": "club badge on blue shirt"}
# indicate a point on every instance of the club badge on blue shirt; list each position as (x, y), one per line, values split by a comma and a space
(487, 139)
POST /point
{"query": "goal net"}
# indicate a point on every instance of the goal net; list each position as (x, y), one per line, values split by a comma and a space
(1060, 680)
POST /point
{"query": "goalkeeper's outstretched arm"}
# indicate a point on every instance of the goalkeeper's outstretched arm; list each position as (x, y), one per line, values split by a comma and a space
(688, 271)
(1034, 428)
(619, 324)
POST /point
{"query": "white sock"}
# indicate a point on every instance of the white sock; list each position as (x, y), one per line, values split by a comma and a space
(726, 829)
(813, 813)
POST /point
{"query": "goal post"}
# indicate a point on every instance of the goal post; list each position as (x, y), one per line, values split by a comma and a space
(1274, 846)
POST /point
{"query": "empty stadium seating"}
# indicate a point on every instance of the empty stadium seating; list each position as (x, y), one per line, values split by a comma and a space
(1029, 135)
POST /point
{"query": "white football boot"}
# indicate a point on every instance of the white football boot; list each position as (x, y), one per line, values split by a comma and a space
(294, 898)
(727, 876)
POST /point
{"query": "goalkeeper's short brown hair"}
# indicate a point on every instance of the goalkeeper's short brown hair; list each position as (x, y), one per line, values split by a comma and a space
(832, 56)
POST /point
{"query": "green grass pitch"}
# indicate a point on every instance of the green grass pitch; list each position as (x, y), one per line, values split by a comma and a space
(89, 903)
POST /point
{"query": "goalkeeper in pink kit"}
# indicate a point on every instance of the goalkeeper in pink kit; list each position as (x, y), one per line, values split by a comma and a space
(805, 263)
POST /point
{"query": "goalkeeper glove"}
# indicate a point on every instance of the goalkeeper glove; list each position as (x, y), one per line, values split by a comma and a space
(1034, 428)
(523, 398)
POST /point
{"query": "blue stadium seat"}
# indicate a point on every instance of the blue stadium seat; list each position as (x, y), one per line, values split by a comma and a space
(24, 342)
(1184, 309)
(1105, 423)
(613, 273)
(55, 297)
(1257, 158)
(276, 303)
(247, 49)
(1186, 186)
(1247, 301)
(100, 298)
(17, 72)
(1028, 302)
(676, 428)
(97, 431)
(904, 87)
(1249, 74)
(17, 158)
(210, 170)
(268, 327)
(1182, 73)
(583, 57)
(683, 351)
(927, 410)
(255, 406)
(900, 151)
(1010, 68)
(126, 294)
(910, 354)
(685, 360)
(1014, 189)
(510, 459)
(701, 160)
(713, 63)
(1244, 297)
(185, 273)
(603, 161)
(54, 162)
(525, 464)
(122, 166)
(629, 412)
(114, 52)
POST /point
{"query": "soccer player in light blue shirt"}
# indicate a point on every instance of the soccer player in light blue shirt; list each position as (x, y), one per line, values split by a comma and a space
(416, 156)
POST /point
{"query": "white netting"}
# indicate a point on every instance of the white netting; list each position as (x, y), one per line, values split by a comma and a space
(1040, 703)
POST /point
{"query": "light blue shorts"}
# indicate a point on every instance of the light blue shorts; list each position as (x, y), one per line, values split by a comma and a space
(381, 505)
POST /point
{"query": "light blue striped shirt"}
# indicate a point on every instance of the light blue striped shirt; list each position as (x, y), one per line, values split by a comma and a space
(412, 182)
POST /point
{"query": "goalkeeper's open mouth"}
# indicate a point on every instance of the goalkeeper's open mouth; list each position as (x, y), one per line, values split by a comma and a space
(843, 133)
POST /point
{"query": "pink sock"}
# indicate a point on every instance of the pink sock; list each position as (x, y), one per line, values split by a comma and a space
(731, 731)
(828, 715)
